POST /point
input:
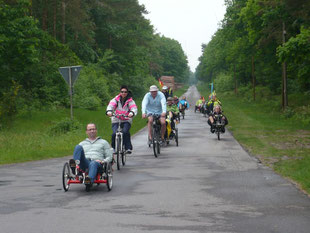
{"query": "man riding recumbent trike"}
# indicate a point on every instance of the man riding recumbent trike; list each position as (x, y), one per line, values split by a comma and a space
(91, 163)
(183, 105)
(217, 121)
(172, 120)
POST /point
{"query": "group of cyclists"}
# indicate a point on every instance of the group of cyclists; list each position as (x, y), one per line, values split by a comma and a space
(212, 107)
(94, 151)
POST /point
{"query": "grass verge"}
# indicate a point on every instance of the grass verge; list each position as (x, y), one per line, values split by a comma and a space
(28, 136)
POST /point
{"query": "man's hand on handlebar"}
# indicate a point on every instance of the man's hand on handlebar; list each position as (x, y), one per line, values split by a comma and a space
(163, 114)
(143, 115)
(109, 113)
(101, 161)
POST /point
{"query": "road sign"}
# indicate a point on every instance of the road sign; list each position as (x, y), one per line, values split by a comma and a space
(70, 75)
(68, 71)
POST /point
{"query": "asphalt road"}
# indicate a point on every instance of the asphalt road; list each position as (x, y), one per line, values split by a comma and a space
(204, 185)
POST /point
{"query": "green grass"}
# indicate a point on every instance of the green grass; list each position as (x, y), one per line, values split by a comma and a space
(280, 143)
(27, 138)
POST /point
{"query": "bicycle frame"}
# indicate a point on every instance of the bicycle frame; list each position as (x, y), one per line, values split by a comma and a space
(156, 134)
(119, 145)
(218, 125)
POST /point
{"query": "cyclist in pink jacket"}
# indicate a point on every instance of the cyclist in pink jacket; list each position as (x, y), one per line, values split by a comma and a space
(122, 104)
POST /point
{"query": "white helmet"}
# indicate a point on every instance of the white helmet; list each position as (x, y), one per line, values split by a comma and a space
(165, 88)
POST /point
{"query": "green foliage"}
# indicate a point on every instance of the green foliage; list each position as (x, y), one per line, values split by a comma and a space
(224, 82)
(296, 52)
(8, 102)
(64, 126)
(253, 29)
(111, 39)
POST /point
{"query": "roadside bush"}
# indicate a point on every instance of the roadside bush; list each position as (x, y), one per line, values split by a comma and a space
(90, 103)
(302, 114)
(245, 92)
(64, 126)
(288, 113)
(224, 82)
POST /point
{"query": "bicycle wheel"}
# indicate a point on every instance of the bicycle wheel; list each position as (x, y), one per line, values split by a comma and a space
(66, 176)
(118, 153)
(176, 137)
(158, 138)
(218, 134)
(109, 177)
(154, 141)
(124, 156)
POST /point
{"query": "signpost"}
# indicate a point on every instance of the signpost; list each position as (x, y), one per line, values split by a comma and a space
(70, 75)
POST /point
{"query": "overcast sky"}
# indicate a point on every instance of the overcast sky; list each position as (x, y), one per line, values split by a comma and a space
(191, 22)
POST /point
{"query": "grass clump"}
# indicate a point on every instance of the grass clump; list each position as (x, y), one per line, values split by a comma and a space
(64, 126)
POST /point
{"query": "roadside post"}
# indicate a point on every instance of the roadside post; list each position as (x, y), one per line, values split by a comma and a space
(70, 75)
(211, 84)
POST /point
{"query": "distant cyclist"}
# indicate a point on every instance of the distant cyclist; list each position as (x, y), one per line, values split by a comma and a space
(211, 121)
(122, 104)
(172, 111)
(154, 103)
(183, 104)
(213, 102)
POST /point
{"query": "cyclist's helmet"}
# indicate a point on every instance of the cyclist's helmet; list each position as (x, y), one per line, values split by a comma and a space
(165, 88)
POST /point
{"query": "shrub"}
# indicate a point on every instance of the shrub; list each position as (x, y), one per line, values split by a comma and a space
(224, 82)
(288, 112)
(64, 126)
(90, 103)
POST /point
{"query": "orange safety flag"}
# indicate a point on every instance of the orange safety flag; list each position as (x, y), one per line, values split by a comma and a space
(161, 84)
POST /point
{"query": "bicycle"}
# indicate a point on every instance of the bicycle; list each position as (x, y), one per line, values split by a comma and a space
(156, 135)
(172, 133)
(104, 176)
(119, 145)
(219, 125)
(182, 110)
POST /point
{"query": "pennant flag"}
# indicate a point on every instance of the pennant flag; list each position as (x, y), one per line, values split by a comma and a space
(161, 84)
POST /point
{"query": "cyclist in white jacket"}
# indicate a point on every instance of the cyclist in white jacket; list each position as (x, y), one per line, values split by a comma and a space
(154, 103)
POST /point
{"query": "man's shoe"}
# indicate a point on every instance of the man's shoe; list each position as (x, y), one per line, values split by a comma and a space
(72, 165)
(212, 129)
(128, 151)
(161, 142)
(87, 180)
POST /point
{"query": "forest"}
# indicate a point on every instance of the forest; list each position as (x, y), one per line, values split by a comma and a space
(262, 48)
(111, 39)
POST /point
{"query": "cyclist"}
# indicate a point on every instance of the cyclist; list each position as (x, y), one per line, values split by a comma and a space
(199, 103)
(176, 100)
(172, 112)
(164, 90)
(183, 103)
(213, 102)
(154, 102)
(122, 104)
(217, 111)
(91, 153)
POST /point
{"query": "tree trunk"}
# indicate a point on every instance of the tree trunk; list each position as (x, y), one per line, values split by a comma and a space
(63, 26)
(44, 16)
(54, 18)
(110, 40)
(284, 78)
(253, 78)
(235, 78)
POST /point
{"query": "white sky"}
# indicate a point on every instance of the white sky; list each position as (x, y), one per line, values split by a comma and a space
(191, 22)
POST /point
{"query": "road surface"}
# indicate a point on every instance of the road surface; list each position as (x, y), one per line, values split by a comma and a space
(204, 185)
